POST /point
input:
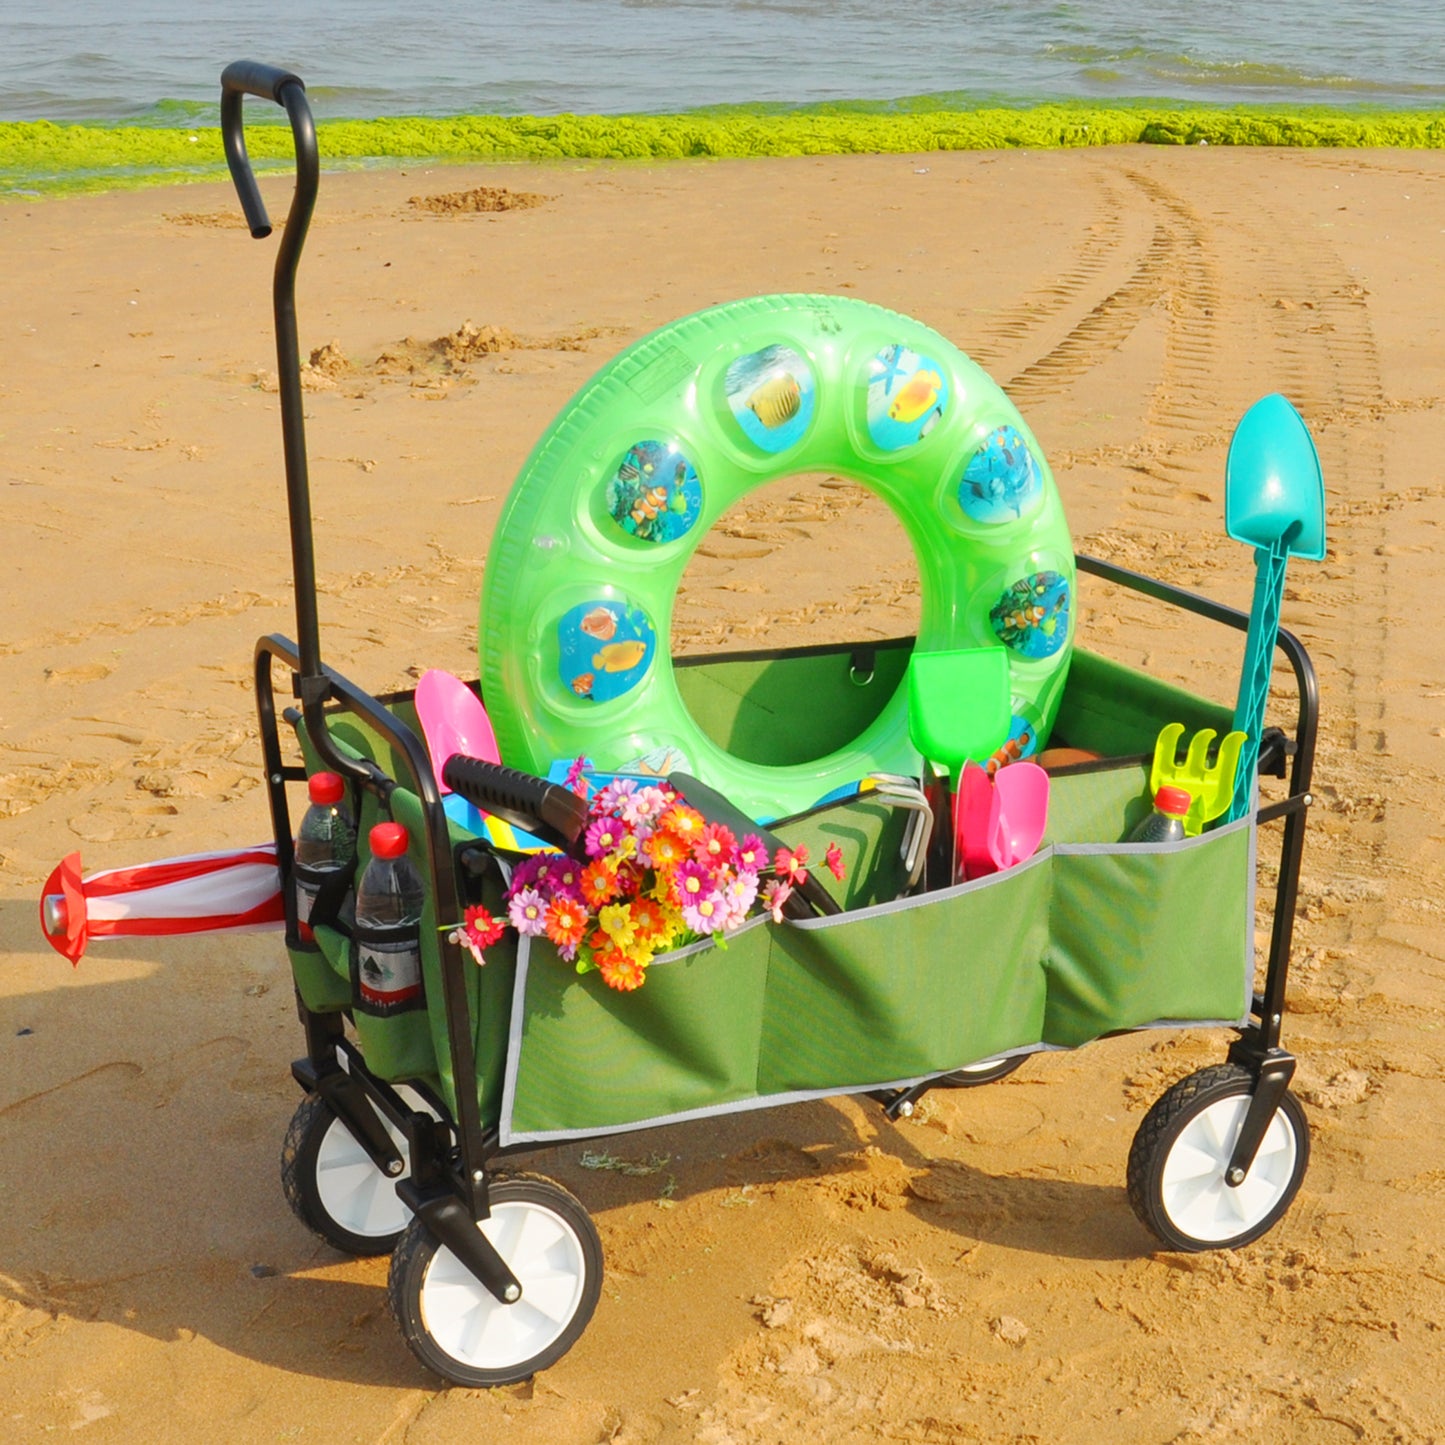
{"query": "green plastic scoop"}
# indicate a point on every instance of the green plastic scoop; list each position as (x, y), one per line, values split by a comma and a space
(959, 707)
(1274, 500)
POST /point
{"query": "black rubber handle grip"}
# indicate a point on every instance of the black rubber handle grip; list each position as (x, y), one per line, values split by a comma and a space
(252, 77)
(269, 82)
(549, 810)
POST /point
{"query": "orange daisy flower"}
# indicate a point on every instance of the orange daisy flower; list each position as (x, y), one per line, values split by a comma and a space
(599, 883)
(666, 850)
(621, 971)
(649, 919)
(565, 922)
(687, 823)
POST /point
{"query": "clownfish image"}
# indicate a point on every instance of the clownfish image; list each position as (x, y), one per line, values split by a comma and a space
(649, 504)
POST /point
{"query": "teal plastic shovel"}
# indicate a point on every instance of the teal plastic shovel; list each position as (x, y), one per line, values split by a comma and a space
(1274, 500)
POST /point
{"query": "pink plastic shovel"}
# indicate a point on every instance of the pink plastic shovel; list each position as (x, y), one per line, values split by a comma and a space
(975, 821)
(453, 721)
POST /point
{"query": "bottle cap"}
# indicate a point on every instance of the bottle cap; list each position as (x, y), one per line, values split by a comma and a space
(325, 788)
(390, 840)
(1174, 801)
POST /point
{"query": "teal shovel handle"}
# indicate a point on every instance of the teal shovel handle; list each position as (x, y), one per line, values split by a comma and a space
(1270, 564)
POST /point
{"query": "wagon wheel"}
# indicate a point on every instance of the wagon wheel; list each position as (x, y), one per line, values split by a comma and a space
(1180, 1153)
(986, 1071)
(332, 1186)
(455, 1326)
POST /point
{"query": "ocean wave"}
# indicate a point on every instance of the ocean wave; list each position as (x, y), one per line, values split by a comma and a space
(1180, 72)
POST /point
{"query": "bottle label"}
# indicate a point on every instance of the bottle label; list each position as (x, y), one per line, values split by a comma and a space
(388, 975)
(305, 902)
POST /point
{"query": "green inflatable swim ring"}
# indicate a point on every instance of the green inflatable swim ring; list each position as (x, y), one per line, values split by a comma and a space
(597, 531)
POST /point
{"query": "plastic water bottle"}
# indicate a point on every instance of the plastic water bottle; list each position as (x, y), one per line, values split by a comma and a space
(325, 854)
(388, 925)
(1166, 823)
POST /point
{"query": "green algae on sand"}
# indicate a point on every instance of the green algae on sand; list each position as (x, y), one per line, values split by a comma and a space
(43, 157)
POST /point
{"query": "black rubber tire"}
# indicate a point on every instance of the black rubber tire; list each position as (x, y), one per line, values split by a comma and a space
(1161, 1202)
(425, 1274)
(988, 1071)
(300, 1158)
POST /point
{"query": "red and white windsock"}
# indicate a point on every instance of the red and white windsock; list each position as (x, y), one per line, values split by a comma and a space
(202, 893)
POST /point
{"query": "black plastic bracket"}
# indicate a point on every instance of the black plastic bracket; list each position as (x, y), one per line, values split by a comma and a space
(1272, 1076)
(347, 1099)
(898, 1103)
(451, 1224)
(1275, 751)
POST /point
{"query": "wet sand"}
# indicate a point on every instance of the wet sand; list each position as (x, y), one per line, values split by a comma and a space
(973, 1274)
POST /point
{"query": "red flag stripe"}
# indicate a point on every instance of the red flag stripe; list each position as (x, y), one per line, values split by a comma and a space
(263, 915)
(172, 870)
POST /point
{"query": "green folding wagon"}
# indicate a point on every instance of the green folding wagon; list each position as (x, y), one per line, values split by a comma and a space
(892, 972)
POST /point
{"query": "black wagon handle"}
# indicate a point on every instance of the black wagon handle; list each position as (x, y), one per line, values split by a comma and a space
(270, 82)
(286, 89)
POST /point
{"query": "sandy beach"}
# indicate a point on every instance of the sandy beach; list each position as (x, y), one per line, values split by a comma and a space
(814, 1272)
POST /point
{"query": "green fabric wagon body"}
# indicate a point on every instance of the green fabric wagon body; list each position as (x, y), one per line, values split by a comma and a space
(1090, 937)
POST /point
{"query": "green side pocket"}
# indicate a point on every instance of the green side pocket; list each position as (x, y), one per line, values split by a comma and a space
(907, 989)
(1147, 934)
(587, 1057)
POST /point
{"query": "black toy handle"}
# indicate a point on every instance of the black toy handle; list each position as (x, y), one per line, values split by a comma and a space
(549, 810)
(268, 82)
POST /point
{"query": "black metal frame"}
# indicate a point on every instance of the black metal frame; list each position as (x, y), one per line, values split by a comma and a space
(448, 1185)
(1258, 1048)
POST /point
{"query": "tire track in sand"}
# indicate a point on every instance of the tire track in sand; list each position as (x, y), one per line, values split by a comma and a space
(1009, 330)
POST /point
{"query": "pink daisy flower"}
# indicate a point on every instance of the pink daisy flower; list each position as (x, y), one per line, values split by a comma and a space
(528, 912)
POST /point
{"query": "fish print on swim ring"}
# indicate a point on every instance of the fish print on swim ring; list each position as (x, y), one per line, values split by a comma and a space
(1032, 615)
(1001, 480)
(907, 397)
(1023, 736)
(604, 649)
(771, 396)
(655, 495)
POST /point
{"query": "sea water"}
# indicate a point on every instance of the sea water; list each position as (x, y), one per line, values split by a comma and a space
(158, 61)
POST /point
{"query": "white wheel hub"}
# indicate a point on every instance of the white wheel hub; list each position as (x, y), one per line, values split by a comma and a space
(476, 1329)
(1192, 1186)
(352, 1190)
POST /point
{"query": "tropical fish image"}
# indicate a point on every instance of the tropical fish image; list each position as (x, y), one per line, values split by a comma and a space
(776, 401)
(770, 394)
(655, 494)
(657, 764)
(620, 656)
(648, 505)
(1022, 741)
(600, 623)
(604, 649)
(1001, 479)
(1032, 616)
(916, 397)
(908, 395)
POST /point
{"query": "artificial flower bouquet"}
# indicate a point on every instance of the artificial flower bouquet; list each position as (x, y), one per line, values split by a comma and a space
(653, 876)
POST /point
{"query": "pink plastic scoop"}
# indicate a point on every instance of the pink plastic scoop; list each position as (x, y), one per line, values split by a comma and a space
(1022, 790)
(453, 721)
